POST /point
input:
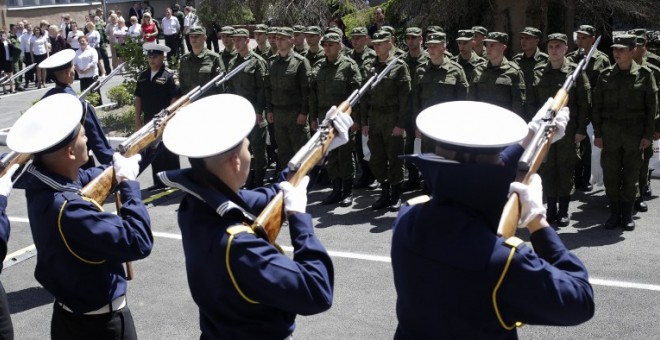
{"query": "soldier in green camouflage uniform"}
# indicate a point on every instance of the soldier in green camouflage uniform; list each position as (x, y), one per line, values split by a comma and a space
(644, 173)
(398, 53)
(480, 34)
(586, 36)
(333, 80)
(229, 52)
(624, 113)
(200, 65)
(251, 84)
(262, 48)
(289, 98)
(436, 29)
(383, 113)
(647, 55)
(467, 58)
(528, 59)
(271, 35)
(414, 58)
(299, 43)
(557, 170)
(364, 57)
(437, 81)
(313, 38)
(499, 81)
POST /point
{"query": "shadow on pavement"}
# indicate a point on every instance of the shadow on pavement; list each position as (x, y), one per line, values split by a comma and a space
(28, 298)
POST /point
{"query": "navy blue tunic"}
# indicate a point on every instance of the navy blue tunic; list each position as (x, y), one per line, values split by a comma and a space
(80, 248)
(445, 271)
(4, 228)
(96, 140)
(246, 289)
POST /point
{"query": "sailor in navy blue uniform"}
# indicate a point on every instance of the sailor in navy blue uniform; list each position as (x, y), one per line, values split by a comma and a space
(244, 287)
(455, 277)
(80, 248)
(61, 66)
(6, 326)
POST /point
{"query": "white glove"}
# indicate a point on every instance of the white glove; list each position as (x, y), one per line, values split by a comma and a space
(295, 198)
(342, 123)
(126, 168)
(531, 199)
(5, 181)
(561, 120)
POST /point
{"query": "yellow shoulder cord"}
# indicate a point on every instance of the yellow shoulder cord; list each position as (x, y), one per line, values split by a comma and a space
(233, 231)
(513, 243)
(59, 226)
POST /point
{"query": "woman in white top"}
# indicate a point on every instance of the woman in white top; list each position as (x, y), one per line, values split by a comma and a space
(86, 63)
(94, 41)
(135, 31)
(38, 53)
(120, 33)
(72, 37)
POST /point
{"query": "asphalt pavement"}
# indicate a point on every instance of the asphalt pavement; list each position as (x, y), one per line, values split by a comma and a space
(624, 268)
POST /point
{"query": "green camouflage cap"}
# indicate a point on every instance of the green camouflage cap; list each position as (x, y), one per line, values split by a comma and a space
(558, 36)
(481, 30)
(228, 30)
(388, 29)
(241, 32)
(414, 31)
(313, 30)
(465, 35)
(436, 38)
(434, 29)
(298, 28)
(197, 31)
(334, 29)
(261, 28)
(358, 31)
(331, 37)
(624, 40)
(500, 37)
(287, 31)
(532, 32)
(381, 36)
(272, 30)
(641, 35)
(586, 29)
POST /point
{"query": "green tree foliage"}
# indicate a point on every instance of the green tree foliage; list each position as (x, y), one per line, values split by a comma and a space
(120, 95)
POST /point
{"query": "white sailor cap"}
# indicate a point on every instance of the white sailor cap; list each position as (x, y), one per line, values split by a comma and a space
(58, 61)
(155, 49)
(479, 127)
(209, 126)
(47, 126)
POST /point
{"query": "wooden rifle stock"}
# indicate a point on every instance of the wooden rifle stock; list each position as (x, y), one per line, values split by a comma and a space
(100, 187)
(269, 221)
(13, 158)
(511, 212)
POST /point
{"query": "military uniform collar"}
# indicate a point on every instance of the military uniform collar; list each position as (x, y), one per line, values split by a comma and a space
(201, 54)
(288, 56)
(565, 67)
(503, 65)
(634, 68)
(333, 63)
(445, 63)
(52, 180)
(218, 201)
(537, 56)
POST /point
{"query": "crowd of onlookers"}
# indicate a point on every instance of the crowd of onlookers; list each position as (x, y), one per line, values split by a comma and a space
(95, 42)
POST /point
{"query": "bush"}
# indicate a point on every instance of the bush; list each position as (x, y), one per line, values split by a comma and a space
(120, 95)
(94, 99)
(121, 120)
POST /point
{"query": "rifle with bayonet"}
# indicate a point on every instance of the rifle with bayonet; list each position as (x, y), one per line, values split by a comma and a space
(96, 85)
(537, 149)
(5, 81)
(268, 224)
(149, 135)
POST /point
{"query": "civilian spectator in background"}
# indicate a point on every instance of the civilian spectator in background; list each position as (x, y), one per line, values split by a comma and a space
(212, 32)
(135, 31)
(136, 11)
(27, 56)
(120, 33)
(65, 25)
(190, 21)
(171, 31)
(5, 59)
(39, 53)
(379, 22)
(94, 41)
(72, 37)
(146, 7)
(56, 40)
(110, 33)
(149, 29)
(86, 63)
